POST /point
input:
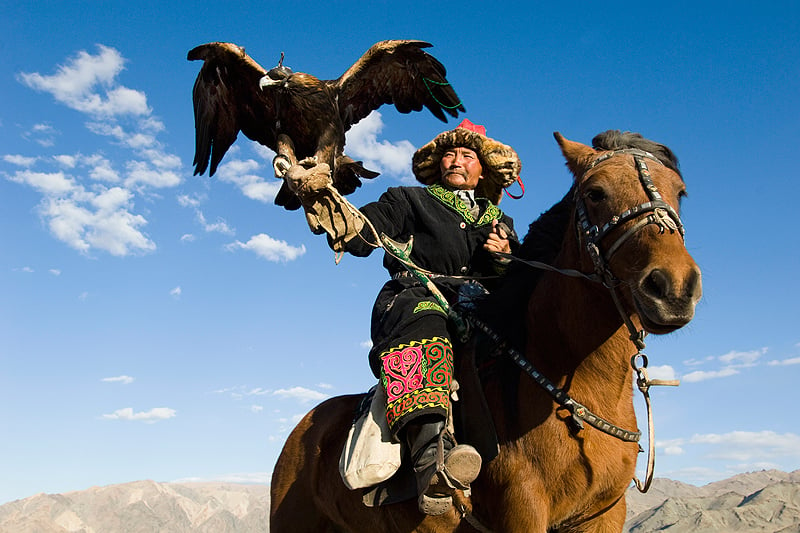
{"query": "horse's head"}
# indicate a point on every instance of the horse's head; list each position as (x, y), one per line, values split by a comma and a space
(627, 199)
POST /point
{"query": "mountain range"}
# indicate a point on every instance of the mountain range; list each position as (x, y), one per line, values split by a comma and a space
(764, 501)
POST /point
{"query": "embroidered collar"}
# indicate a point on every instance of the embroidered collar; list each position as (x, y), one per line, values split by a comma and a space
(449, 199)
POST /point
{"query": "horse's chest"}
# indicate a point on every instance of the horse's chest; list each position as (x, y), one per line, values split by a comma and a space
(562, 476)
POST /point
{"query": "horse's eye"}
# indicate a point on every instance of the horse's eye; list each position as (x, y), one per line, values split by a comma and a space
(596, 195)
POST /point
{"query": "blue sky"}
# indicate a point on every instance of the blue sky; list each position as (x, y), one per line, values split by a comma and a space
(155, 325)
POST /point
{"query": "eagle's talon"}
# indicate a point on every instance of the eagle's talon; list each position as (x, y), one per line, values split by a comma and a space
(281, 164)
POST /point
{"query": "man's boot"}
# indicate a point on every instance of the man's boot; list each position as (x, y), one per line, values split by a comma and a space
(440, 465)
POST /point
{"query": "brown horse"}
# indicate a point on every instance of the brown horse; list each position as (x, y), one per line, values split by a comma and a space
(618, 225)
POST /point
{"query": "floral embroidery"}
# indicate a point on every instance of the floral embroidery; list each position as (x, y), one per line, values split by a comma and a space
(417, 376)
(449, 198)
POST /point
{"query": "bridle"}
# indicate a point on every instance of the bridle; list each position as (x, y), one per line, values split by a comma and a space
(655, 211)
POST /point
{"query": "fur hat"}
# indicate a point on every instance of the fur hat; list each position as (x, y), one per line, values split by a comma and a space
(501, 164)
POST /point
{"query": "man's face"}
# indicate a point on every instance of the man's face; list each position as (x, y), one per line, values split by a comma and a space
(461, 168)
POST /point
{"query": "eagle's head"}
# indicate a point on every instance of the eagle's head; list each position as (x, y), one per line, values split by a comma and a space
(276, 75)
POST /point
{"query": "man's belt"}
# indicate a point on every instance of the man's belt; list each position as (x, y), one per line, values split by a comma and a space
(407, 274)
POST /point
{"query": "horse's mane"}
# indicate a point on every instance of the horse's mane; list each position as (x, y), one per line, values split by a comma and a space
(505, 307)
(617, 140)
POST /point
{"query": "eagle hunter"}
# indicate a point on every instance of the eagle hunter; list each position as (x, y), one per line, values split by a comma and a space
(233, 93)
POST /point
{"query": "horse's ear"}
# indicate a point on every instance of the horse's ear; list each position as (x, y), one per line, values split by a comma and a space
(577, 155)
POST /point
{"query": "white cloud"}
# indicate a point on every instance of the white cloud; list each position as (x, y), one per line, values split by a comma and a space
(742, 359)
(65, 160)
(263, 152)
(697, 362)
(366, 344)
(703, 375)
(733, 361)
(125, 380)
(784, 362)
(47, 183)
(749, 446)
(19, 160)
(270, 249)
(55, 271)
(142, 173)
(661, 372)
(185, 200)
(220, 226)
(88, 219)
(256, 408)
(77, 208)
(87, 83)
(382, 156)
(100, 169)
(104, 222)
(151, 416)
(242, 174)
(302, 394)
(41, 134)
(241, 391)
(176, 292)
(671, 447)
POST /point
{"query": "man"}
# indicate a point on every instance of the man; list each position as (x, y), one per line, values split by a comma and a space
(455, 225)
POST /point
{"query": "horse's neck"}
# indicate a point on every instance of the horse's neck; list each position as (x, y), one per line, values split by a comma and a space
(575, 333)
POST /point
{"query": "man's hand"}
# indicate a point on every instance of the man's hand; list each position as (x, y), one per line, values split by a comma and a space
(497, 240)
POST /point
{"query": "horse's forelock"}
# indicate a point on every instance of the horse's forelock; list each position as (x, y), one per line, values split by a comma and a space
(618, 140)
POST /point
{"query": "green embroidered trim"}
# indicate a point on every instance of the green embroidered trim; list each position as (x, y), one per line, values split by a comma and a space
(399, 347)
(449, 198)
(492, 213)
(428, 306)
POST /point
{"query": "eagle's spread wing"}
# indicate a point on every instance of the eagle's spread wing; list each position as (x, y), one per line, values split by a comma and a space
(227, 99)
(396, 72)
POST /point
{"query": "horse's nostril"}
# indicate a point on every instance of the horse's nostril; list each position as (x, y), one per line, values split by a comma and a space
(694, 287)
(656, 284)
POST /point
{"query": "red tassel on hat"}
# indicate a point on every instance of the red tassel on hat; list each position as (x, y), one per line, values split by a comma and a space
(467, 125)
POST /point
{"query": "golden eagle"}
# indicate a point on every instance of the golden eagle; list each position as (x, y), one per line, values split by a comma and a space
(233, 92)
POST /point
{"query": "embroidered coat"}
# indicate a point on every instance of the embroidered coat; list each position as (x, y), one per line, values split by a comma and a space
(412, 352)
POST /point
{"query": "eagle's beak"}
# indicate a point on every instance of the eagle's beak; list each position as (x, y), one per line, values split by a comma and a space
(266, 81)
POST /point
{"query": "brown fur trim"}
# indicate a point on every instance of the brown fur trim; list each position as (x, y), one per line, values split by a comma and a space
(501, 164)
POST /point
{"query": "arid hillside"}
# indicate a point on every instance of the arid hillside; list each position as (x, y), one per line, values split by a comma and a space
(765, 501)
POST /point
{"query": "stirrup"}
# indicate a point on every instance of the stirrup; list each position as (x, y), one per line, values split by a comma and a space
(435, 491)
(440, 477)
(462, 465)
